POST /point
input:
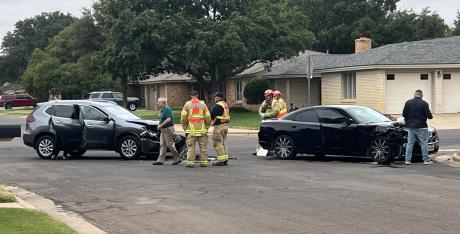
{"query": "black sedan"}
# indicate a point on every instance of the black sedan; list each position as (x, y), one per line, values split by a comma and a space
(78, 126)
(338, 130)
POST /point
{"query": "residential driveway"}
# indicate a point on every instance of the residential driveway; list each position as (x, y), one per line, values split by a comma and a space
(251, 195)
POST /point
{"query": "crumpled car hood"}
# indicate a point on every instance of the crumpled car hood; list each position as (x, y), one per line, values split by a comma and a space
(144, 122)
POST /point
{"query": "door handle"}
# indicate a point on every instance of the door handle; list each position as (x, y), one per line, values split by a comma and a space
(89, 125)
(293, 126)
(58, 122)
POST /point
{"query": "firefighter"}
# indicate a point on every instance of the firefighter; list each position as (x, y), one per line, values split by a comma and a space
(278, 99)
(196, 120)
(269, 109)
(220, 116)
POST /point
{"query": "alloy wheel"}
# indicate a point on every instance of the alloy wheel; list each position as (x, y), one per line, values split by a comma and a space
(46, 147)
(129, 148)
(379, 150)
(284, 147)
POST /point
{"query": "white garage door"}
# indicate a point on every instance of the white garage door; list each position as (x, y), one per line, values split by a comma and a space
(451, 89)
(402, 88)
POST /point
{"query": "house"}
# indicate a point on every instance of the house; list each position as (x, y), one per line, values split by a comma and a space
(176, 88)
(383, 78)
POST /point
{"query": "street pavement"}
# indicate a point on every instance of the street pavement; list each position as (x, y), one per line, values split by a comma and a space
(251, 195)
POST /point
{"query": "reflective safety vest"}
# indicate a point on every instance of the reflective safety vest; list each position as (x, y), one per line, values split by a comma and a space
(196, 124)
(283, 111)
(225, 117)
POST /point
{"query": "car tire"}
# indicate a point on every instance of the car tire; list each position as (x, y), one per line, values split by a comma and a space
(77, 153)
(132, 106)
(129, 147)
(379, 150)
(46, 147)
(283, 147)
(8, 106)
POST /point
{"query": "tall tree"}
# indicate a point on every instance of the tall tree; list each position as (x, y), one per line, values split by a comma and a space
(68, 66)
(29, 34)
(210, 40)
(456, 28)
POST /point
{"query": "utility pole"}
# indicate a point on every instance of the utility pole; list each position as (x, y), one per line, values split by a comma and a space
(309, 77)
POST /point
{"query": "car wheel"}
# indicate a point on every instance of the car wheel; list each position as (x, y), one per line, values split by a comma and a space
(46, 147)
(77, 153)
(283, 147)
(8, 106)
(379, 150)
(132, 106)
(129, 147)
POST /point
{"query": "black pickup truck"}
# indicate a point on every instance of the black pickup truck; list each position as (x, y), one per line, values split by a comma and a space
(116, 97)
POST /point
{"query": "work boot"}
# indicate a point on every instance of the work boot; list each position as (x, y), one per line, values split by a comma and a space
(218, 163)
(226, 162)
(157, 163)
(176, 162)
(190, 166)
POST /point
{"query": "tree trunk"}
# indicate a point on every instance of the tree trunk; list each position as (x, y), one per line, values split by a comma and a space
(124, 82)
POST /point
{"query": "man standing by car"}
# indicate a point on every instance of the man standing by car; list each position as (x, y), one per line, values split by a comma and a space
(196, 120)
(416, 112)
(166, 126)
(220, 116)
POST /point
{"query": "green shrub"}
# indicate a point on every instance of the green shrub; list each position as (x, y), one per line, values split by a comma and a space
(254, 90)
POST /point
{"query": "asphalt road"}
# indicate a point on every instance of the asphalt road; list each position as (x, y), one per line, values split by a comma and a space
(251, 195)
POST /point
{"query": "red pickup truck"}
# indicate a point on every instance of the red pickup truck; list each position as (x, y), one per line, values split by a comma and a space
(10, 101)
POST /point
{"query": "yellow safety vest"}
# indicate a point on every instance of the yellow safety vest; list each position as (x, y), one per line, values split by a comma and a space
(225, 117)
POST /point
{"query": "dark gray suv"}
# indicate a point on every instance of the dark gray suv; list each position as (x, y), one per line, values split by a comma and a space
(77, 126)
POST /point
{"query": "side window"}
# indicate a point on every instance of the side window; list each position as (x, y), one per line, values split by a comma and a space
(90, 113)
(306, 116)
(331, 117)
(107, 95)
(50, 110)
(21, 97)
(117, 95)
(64, 111)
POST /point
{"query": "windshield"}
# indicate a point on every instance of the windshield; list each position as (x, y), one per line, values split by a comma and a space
(367, 115)
(121, 113)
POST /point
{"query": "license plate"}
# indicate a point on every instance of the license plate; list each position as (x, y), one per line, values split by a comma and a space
(261, 152)
(430, 148)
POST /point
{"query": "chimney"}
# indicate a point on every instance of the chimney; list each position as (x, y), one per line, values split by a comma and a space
(362, 44)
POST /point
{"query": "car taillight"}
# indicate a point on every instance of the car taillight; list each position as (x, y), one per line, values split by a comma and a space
(30, 118)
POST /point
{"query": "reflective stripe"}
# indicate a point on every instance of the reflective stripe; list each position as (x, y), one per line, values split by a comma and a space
(222, 158)
(282, 113)
(190, 162)
(196, 117)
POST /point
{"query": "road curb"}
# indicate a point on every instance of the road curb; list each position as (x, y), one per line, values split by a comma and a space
(73, 220)
(456, 157)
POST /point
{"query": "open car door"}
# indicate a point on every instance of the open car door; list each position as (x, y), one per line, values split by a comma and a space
(66, 123)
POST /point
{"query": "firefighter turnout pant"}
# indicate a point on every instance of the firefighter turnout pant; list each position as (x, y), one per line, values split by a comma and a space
(191, 143)
(219, 138)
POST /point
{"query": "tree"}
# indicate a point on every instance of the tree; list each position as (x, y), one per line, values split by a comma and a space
(210, 40)
(254, 90)
(29, 34)
(70, 61)
(456, 29)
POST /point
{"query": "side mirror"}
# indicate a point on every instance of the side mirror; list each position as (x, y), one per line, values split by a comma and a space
(108, 119)
(350, 121)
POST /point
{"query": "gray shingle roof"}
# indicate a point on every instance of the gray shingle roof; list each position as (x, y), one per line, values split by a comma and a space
(166, 77)
(435, 51)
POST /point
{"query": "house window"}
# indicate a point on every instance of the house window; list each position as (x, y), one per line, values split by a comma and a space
(446, 76)
(423, 76)
(390, 76)
(239, 91)
(349, 85)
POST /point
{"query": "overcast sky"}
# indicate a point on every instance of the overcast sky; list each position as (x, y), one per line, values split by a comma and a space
(12, 11)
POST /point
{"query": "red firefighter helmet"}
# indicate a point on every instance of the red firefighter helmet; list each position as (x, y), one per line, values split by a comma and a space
(268, 92)
(277, 93)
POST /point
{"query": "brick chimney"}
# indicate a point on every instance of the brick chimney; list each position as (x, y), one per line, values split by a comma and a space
(362, 44)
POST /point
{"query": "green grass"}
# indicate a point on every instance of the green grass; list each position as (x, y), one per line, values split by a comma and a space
(16, 111)
(5, 196)
(22, 221)
(244, 120)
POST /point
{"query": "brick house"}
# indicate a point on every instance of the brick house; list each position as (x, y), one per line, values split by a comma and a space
(176, 88)
(383, 78)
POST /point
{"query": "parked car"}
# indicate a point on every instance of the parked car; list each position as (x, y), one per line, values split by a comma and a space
(338, 130)
(116, 97)
(78, 126)
(17, 100)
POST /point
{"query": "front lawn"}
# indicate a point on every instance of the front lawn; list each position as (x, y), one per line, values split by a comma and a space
(16, 111)
(245, 120)
(13, 220)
